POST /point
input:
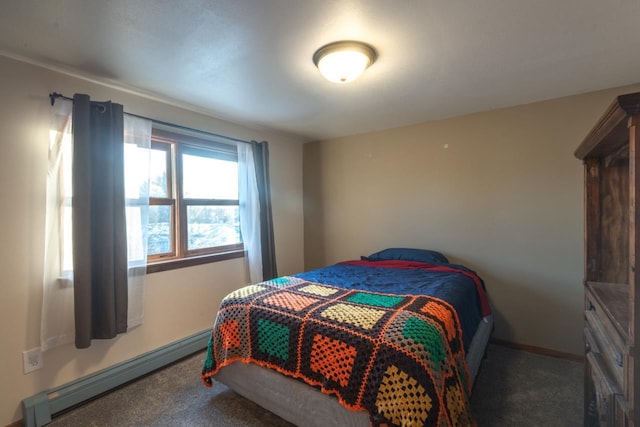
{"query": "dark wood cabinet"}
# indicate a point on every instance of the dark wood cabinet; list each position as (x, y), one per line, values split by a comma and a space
(611, 156)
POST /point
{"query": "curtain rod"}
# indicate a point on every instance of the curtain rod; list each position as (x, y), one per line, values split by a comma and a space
(55, 95)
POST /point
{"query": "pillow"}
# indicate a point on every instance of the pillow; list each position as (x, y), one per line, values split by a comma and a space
(408, 254)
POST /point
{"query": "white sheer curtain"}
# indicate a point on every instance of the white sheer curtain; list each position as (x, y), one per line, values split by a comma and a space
(57, 327)
(249, 211)
(137, 151)
(57, 305)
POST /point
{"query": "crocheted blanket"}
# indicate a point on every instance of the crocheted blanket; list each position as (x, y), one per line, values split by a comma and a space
(400, 357)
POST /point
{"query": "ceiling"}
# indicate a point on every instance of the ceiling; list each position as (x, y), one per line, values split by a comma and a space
(250, 61)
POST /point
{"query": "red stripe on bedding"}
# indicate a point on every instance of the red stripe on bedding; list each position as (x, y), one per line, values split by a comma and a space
(407, 265)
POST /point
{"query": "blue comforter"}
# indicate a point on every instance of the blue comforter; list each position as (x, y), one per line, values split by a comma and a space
(455, 288)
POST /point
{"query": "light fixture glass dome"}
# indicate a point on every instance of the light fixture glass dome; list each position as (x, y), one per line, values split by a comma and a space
(344, 61)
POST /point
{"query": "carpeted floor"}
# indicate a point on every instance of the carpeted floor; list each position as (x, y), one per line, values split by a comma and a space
(513, 388)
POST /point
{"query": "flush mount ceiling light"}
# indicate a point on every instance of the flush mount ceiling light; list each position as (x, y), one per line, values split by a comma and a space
(344, 61)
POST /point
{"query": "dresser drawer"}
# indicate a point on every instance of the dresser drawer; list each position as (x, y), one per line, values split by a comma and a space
(610, 302)
(590, 343)
(604, 339)
(604, 393)
(599, 343)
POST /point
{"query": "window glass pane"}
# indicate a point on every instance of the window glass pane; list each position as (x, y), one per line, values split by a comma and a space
(67, 242)
(210, 226)
(207, 178)
(158, 173)
(66, 211)
(67, 162)
(136, 235)
(159, 238)
(136, 172)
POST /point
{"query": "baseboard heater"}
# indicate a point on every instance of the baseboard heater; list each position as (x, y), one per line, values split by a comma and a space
(37, 410)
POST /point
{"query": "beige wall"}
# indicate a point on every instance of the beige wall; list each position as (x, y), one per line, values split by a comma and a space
(178, 303)
(499, 191)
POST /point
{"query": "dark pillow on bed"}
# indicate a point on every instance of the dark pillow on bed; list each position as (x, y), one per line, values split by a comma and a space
(408, 254)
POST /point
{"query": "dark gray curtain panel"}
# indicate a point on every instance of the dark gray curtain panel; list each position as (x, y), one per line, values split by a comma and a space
(261, 159)
(98, 217)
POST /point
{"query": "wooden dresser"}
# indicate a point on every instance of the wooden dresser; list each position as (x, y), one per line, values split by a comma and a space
(611, 156)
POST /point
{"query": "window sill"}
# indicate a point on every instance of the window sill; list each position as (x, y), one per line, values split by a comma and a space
(191, 261)
(65, 282)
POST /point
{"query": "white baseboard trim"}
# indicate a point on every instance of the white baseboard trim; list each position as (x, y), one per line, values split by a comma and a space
(37, 410)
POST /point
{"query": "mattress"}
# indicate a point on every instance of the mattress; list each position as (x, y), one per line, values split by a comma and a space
(305, 406)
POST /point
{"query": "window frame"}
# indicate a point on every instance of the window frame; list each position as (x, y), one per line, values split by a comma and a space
(175, 145)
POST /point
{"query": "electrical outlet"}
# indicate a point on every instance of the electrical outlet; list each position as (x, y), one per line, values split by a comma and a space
(32, 360)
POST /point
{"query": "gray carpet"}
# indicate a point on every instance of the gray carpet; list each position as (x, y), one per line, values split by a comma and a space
(513, 388)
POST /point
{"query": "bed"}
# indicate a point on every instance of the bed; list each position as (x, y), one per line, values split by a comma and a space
(392, 339)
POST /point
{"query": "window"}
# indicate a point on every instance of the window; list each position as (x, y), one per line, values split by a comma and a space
(193, 201)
